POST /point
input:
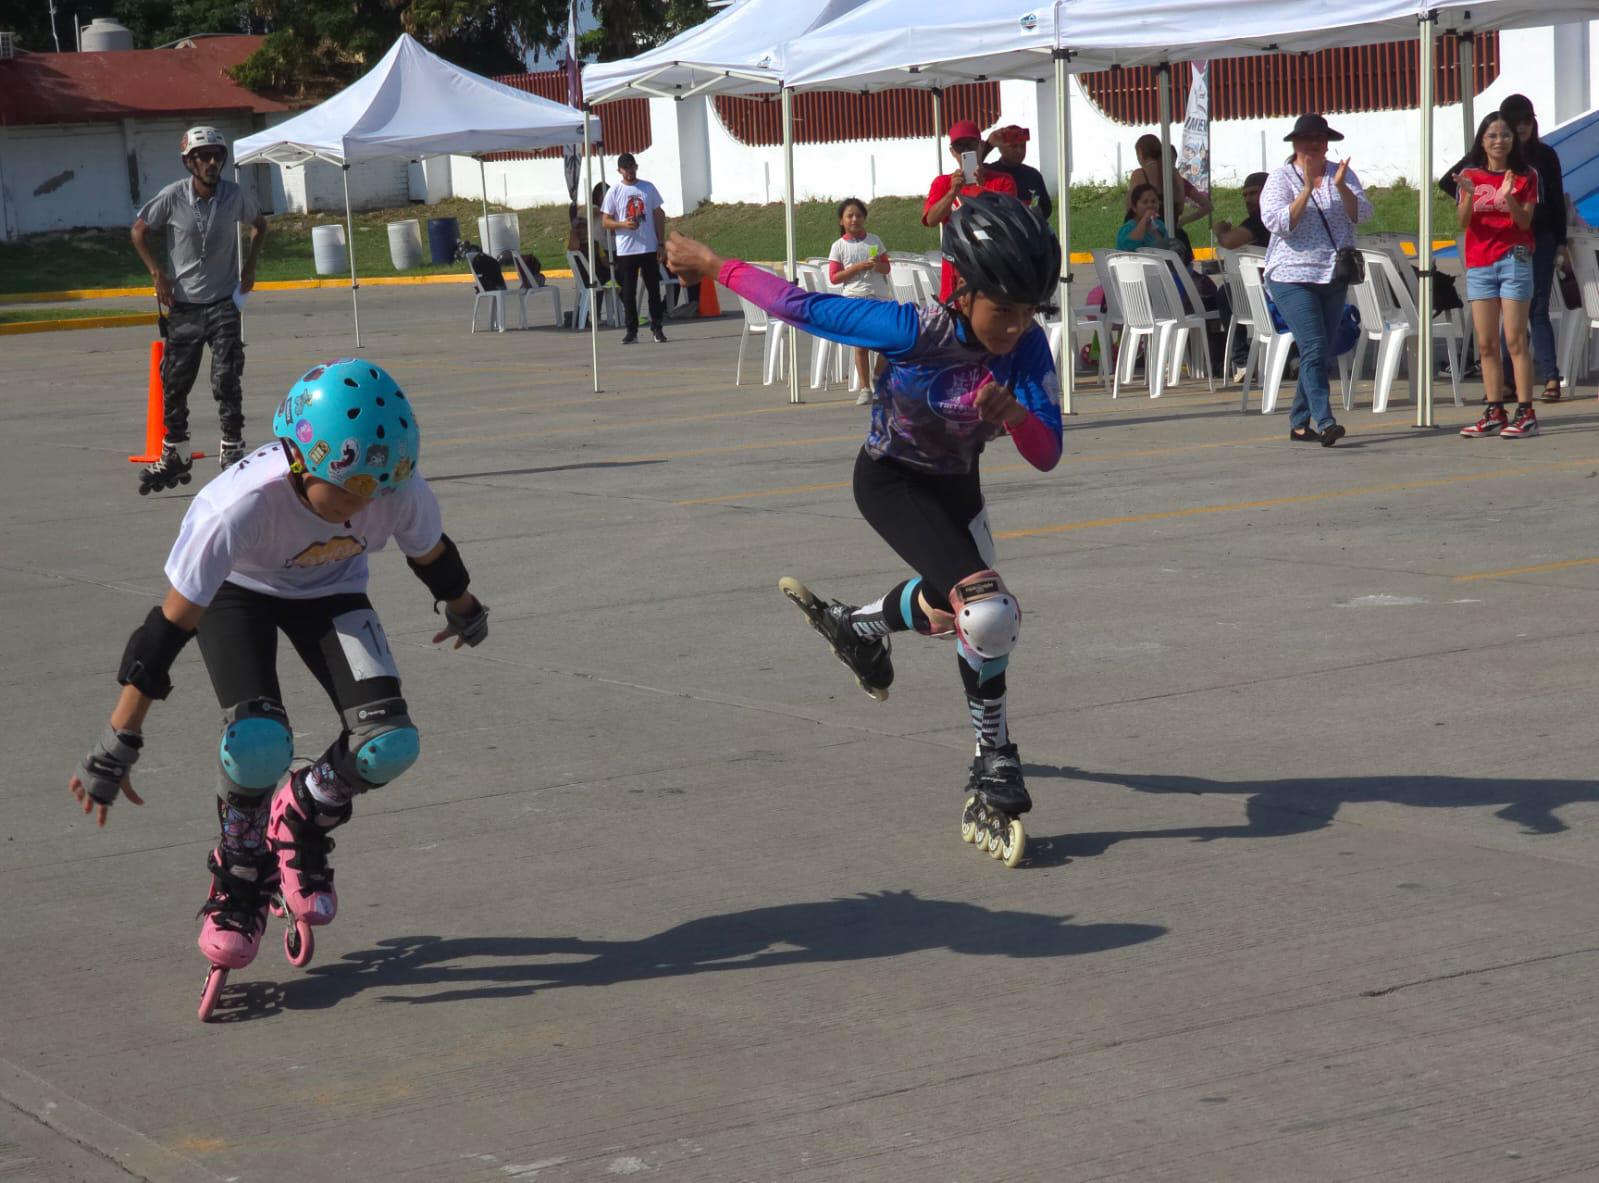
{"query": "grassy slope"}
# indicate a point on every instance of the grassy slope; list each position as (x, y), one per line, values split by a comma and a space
(68, 312)
(105, 258)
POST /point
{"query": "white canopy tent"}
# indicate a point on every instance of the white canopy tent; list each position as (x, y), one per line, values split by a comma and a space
(412, 103)
(887, 43)
(739, 51)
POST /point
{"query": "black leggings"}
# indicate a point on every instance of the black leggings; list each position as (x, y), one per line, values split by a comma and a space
(928, 519)
(239, 642)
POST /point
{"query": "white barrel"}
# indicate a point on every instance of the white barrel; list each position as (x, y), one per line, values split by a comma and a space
(327, 248)
(405, 244)
(501, 232)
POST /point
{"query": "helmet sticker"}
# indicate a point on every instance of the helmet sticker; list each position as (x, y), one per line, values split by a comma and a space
(402, 469)
(319, 452)
(303, 431)
(349, 453)
(362, 484)
(377, 456)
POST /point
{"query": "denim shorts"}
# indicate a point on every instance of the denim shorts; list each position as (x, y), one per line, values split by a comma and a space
(1506, 278)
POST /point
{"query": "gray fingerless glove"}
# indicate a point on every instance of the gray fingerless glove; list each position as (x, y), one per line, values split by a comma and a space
(472, 627)
(108, 762)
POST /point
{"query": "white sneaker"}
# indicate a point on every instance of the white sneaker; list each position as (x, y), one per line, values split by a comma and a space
(863, 398)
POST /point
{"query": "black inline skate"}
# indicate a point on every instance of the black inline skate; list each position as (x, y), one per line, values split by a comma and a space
(230, 452)
(996, 797)
(170, 471)
(866, 657)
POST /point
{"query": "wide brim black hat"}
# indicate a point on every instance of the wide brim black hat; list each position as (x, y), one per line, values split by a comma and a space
(1312, 125)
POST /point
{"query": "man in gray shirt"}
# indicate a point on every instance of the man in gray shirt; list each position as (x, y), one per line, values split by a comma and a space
(198, 215)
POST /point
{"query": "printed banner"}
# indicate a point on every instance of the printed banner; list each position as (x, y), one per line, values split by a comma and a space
(1193, 161)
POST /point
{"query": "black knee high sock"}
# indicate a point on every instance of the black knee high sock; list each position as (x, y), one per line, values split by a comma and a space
(986, 702)
(887, 615)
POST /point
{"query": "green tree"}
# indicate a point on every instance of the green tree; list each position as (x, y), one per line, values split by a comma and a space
(160, 22)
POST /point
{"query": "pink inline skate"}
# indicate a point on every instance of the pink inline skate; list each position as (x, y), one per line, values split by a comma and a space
(298, 835)
(233, 916)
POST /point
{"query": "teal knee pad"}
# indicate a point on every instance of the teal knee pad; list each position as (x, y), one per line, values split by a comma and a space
(257, 746)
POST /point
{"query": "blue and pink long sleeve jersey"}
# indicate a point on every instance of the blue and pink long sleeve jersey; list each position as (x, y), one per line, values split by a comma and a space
(923, 414)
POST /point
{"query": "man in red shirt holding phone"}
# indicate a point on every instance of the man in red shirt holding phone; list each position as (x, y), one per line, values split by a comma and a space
(968, 178)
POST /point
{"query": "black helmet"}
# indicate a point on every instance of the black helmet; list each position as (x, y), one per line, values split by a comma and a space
(1003, 249)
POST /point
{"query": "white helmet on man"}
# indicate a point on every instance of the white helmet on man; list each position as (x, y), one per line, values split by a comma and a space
(201, 137)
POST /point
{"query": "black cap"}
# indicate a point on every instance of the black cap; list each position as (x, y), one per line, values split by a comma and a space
(1312, 126)
(1256, 180)
(625, 160)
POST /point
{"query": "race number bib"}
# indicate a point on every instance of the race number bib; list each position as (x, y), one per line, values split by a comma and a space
(365, 646)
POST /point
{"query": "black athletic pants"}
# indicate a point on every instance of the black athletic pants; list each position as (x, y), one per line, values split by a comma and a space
(239, 642)
(629, 269)
(926, 518)
(190, 328)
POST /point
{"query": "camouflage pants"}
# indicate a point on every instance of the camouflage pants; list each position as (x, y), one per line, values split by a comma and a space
(190, 328)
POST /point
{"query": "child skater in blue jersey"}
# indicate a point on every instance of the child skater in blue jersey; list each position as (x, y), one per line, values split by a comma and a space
(959, 374)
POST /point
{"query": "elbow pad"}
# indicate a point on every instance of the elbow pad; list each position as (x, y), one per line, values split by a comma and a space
(446, 575)
(147, 661)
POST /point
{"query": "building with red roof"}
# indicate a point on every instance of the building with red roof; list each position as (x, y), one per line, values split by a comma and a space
(87, 138)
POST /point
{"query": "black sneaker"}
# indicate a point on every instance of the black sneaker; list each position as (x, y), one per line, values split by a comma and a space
(630, 339)
(660, 337)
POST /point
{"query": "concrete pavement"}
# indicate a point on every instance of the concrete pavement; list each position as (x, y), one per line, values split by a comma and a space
(1312, 885)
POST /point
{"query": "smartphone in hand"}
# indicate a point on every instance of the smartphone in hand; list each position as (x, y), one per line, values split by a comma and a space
(969, 167)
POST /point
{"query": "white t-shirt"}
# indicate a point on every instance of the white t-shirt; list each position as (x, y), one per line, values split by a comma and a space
(849, 251)
(248, 527)
(639, 200)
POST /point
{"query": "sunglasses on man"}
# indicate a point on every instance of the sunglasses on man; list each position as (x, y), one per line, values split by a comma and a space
(210, 155)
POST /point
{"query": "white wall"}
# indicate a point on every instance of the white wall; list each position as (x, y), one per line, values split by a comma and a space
(374, 184)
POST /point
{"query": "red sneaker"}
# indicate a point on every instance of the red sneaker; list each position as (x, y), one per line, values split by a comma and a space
(1491, 423)
(1524, 424)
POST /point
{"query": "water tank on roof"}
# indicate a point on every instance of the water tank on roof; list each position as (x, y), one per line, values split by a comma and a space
(104, 33)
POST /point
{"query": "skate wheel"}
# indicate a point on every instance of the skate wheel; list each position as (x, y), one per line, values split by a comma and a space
(298, 943)
(184, 479)
(969, 820)
(215, 979)
(1012, 844)
(798, 592)
(876, 692)
(144, 490)
(991, 838)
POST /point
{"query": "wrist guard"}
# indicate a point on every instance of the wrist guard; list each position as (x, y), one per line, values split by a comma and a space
(446, 575)
(147, 661)
(108, 762)
(471, 627)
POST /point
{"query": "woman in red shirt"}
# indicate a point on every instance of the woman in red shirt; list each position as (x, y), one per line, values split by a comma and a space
(1498, 192)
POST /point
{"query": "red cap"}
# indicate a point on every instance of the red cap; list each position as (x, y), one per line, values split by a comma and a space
(1009, 134)
(964, 129)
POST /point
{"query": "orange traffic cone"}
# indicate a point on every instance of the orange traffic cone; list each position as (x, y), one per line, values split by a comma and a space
(154, 430)
(709, 304)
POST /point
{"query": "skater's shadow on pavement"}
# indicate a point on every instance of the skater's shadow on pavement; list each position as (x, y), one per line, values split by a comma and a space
(474, 476)
(1303, 805)
(875, 925)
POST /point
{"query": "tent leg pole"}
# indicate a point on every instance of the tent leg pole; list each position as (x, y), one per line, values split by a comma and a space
(1427, 44)
(483, 189)
(938, 129)
(1467, 45)
(1170, 211)
(355, 286)
(595, 292)
(789, 236)
(1066, 363)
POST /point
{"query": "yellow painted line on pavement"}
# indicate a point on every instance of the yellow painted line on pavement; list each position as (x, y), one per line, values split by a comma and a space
(1299, 499)
(1535, 569)
(68, 324)
(271, 285)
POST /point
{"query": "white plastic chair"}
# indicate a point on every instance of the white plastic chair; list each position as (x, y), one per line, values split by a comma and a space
(497, 302)
(1584, 250)
(903, 276)
(1272, 345)
(530, 287)
(1133, 276)
(1241, 321)
(1194, 318)
(1398, 302)
(758, 324)
(824, 353)
(609, 311)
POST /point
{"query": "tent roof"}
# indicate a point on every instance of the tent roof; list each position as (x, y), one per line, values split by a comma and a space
(737, 51)
(414, 103)
(888, 43)
(1577, 141)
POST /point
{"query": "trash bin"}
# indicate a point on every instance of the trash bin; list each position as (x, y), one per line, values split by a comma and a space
(328, 250)
(405, 244)
(444, 234)
(501, 232)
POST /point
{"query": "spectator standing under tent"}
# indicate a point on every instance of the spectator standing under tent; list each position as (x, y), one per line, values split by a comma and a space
(633, 211)
(1192, 202)
(1010, 144)
(858, 265)
(1312, 206)
(969, 178)
(1498, 193)
(1549, 223)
